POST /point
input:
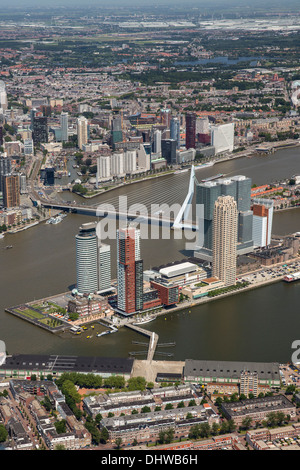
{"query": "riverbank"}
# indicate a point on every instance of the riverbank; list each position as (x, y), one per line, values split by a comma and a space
(35, 312)
(251, 151)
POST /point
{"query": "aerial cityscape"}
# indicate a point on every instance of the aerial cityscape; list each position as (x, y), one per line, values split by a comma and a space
(149, 228)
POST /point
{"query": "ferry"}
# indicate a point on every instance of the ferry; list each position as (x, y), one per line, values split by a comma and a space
(103, 333)
(54, 220)
(292, 277)
(142, 321)
(108, 332)
(204, 165)
(177, 172)
(211, 178)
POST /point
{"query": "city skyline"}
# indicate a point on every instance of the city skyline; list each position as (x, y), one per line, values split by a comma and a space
(149, 229)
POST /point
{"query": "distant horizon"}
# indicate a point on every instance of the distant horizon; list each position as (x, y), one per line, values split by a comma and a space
(248, 4)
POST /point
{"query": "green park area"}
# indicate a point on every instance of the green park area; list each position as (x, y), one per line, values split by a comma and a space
(40, 314)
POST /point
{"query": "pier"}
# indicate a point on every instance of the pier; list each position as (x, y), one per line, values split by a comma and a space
(153, 339)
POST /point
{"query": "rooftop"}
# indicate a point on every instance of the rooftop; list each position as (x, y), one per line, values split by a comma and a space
(55, 363)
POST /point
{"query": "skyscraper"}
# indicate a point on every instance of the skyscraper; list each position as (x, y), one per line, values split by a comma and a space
(104, 276)
(262, 222)
(116, 131)
(5, 168)
(64, 123)
(168, 151)
(92, 261)
(11, 191)
(175, 131)
(82, 131)
(225, 221)
(129, 270)
(157, 141)
(39, 130)
(190, 130)
(3, 95)
(104, 168)
(239, 187)
(165, 116)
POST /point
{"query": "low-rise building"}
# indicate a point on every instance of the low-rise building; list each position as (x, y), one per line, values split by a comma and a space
(258, 408)
(146, 427)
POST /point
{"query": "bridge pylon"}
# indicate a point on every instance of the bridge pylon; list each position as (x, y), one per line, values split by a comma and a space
(183, 214)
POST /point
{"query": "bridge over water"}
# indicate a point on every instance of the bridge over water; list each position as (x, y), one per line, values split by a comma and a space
(174, 215)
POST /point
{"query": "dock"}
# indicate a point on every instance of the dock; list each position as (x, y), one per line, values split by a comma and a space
(153, 339)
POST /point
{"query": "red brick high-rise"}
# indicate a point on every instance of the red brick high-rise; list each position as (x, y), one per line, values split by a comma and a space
(130, 271)
(190, 132)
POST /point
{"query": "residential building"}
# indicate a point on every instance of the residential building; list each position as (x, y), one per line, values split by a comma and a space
(104, 168)
(175, 130)
(190, 133)
(224, 250)
(28, 147)
(258, 408)
(129, 271)
(92, 261)
(249, 383)
(262, 222)
(157, 142)
(64, 123)
(39, 129)
(11, 190)
(5, 168)
(82, 131)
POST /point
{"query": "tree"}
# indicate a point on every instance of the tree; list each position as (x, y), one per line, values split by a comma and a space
(60, 426)
(146, 409)
(118, 442)
(3, 433)
(246, 423)
(104, 436)
(136, 383)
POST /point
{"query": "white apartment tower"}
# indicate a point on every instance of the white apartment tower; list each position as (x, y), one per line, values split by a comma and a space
(92, 261)
(225, 227)
(130, 161)
(104, 168)
(157, 142)
(117, 164)
(82, 131)
(3, 95)
(64, 124)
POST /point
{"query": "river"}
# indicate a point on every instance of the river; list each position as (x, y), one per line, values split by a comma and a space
(259, 325)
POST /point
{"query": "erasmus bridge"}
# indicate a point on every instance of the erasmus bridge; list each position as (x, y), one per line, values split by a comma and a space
(149, 211)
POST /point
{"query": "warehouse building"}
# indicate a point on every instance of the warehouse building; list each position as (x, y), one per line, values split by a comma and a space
(227, 376)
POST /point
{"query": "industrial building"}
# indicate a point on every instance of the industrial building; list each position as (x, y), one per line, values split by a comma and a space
(23, 366)
(228, 374)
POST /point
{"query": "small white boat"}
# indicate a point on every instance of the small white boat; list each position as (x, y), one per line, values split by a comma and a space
(177, 172)
(144, 320)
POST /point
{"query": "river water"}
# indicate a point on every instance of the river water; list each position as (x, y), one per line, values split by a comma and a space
(255, 326)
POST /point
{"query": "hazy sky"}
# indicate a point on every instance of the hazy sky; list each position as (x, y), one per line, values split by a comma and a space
(246, 5)
(224, 3)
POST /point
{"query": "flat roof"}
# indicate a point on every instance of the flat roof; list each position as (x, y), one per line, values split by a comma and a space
(93, 365)
(178, 269)
(199, 368)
